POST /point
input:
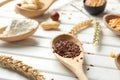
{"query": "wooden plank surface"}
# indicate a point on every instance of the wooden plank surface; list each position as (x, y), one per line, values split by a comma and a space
(36, 50)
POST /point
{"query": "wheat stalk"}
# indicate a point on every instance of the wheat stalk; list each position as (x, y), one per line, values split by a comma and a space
(20, 67)
(97, 34)
(80, 26)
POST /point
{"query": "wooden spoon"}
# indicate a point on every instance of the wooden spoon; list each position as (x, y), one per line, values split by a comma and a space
(5, 2)
(75, 65)
(11, 38)
(34, 13)
(117, 61)
(106, 19)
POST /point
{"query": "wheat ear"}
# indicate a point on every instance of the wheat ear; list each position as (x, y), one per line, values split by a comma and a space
(20, 67)
(97, 34)
(80, 26)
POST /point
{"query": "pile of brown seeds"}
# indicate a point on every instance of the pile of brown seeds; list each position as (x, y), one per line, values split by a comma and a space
(67, 49)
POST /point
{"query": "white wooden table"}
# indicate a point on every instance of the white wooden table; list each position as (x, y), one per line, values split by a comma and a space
(36, 52)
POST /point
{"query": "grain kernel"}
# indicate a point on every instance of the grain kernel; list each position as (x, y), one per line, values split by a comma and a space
(112, 55)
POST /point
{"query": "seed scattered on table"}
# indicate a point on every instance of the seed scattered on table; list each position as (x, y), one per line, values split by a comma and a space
(52, 79)
(88, 53)
(88, 69)
(91, 65)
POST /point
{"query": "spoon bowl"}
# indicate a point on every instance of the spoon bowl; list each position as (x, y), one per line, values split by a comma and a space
(117, 61)
(74, 64)
(34, 13)
(64, 37)
(106, 19)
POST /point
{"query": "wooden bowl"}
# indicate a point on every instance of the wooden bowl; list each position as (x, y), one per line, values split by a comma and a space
(11, 38)
(34, 13)
(117, 61)
(94, 10)
(106, 19)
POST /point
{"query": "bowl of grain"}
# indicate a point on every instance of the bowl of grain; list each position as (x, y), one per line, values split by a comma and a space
(94, 7)
(112, 21)
(33, 8)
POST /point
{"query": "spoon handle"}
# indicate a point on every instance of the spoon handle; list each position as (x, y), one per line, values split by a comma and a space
(80, 74)
(80, 26)
(5, 2)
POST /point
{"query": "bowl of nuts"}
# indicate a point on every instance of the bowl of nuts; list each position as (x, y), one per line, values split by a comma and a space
(112, 21)
(33, 8)
(94, 7)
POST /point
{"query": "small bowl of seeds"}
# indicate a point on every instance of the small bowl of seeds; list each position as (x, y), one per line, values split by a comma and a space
(112, 21)
(94, 7)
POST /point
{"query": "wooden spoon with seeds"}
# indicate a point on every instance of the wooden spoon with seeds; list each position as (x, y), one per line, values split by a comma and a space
(73, 63)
